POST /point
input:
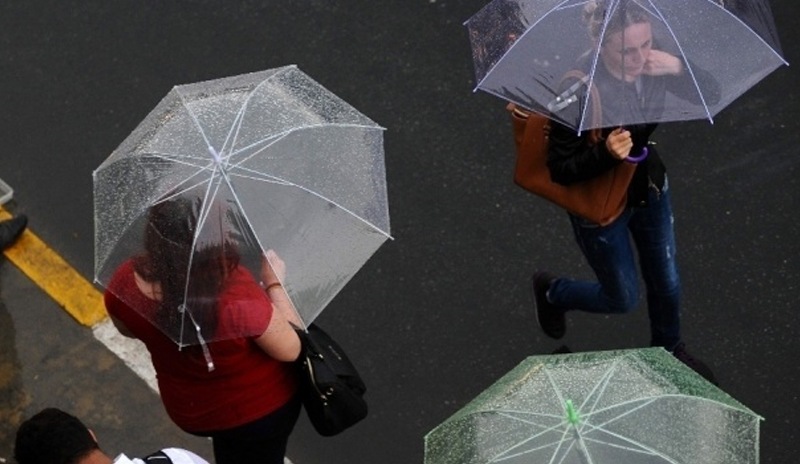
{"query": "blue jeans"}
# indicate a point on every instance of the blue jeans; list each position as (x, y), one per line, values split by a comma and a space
(609, 251)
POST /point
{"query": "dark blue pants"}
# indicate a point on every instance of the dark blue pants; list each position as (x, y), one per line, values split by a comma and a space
(610, 253)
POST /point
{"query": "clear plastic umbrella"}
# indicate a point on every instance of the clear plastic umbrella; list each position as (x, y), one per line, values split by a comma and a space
(522, 50)
(268, 161)
(615, 407)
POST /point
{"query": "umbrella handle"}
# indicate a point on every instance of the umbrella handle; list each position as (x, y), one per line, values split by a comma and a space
(640, 157)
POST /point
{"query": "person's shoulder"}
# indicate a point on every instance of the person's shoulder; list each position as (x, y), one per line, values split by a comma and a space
(240, 282)
(122, 273)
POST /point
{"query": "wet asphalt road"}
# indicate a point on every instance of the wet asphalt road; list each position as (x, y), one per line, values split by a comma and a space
(443, 310)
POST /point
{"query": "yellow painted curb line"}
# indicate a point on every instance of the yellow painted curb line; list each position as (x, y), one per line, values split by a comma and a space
(56, 277)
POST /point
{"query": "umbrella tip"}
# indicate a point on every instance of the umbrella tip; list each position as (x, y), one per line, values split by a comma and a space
(214, 154)
(572, 414)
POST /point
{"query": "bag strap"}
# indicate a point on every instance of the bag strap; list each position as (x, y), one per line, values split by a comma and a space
(159, 457)
(596, 133)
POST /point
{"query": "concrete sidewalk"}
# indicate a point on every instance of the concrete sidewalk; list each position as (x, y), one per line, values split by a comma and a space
(69, 369)
(52, 292)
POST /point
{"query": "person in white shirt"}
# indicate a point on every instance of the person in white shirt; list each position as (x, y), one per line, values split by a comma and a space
(53, 436)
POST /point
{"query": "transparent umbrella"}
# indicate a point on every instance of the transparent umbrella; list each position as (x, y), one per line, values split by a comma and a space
(637, 406)
(522, 49)
(269, 160)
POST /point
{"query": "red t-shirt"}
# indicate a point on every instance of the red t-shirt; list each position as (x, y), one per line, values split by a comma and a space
(245, 385)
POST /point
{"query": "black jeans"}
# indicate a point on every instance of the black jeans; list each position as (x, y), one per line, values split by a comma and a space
(262, 441)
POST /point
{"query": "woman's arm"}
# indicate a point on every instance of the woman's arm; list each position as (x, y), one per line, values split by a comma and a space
(280, 340)
(680, 81)
(571, 158)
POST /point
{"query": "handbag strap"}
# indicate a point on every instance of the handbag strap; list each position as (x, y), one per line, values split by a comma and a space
(596, 133)
(159, 457)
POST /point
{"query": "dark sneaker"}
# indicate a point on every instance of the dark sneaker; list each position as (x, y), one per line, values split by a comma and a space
(11, 229)
(549, 316)
(695, 364)
(563, 349)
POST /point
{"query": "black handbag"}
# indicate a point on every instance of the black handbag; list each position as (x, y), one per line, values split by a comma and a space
(331, 389)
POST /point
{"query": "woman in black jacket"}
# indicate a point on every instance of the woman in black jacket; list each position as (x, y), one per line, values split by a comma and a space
(634, 79)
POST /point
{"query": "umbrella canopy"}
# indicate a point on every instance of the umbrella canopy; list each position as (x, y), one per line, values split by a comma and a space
(522, 50)
(263, 161)
(615, 407)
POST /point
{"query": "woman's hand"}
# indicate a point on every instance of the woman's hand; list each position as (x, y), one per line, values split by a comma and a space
(661, 63)
(619, 143)
(273, 269)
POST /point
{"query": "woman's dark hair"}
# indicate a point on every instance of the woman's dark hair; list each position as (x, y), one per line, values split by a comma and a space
(191, 274)
(53, 436)
(596, 13)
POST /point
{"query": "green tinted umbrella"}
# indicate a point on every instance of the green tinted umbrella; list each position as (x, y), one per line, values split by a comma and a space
(630, 406)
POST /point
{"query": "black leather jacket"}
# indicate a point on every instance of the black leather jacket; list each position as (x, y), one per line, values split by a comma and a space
(571, 158)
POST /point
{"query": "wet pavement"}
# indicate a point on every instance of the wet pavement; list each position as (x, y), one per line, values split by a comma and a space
(48, 360)
(443, 310)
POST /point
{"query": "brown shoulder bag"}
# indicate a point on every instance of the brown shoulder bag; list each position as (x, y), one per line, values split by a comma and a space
(600, 199)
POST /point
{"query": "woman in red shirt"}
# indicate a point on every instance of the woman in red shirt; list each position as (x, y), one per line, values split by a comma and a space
(240, 387)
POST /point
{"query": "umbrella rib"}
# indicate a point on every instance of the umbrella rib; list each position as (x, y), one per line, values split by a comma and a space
(544, 428)
(243, 211)
(560, 402)
(775, 52)
(200, 223)
(240, 115)
(268, 141)
(341, 207)
(503, 454)
(625, 413)
(279, 180)
(184, 309)
(643, 449)
(642, 446)
(604, 381)
(615, 445)
(236, 126)
(686, 63)
(510, 412)
(211, 150)
(258, 176)
(186, 180)
(206, 205)
(595, 58)
(486, 76)
(177, 158)
(507, 413)
(285, 133)
(742, 409)
(502, 457)
(553, 384)
(647, 401)
(275, 138)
